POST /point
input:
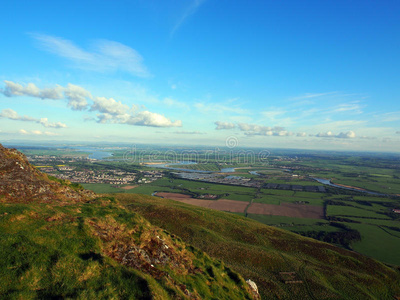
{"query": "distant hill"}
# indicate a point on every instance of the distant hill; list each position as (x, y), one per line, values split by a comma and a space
(59, 241)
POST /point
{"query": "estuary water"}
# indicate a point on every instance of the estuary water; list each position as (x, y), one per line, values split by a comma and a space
(95, 153)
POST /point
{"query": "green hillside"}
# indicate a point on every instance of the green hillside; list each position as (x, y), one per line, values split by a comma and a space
(283, 264)
(98, 250)
(58, 241)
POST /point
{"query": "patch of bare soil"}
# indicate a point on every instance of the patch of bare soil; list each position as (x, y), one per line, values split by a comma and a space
(287, 210)
(221, 204)
(128, 187)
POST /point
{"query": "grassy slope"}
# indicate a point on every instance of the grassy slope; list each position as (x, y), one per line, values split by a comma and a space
(78, 251)
(260, 252)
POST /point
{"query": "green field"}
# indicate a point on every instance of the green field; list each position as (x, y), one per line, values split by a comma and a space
(377, 243)
(336, 210)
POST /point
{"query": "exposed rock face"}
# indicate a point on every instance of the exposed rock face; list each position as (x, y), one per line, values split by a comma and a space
(254, 288)
(21, 182)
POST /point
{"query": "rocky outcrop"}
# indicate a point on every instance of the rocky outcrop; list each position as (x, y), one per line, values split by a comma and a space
(22, 182)
(254, 288)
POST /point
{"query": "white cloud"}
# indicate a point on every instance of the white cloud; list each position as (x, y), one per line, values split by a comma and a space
(13, 115)
(346, 135)
(46, 123)
(109, 106)
(146, 118)
(325, 134)
(111, 110)
(343, 135)
(16, 89)
(37, 132)
(224, 125)
(301, 134)
(77, 96)
(105, 56)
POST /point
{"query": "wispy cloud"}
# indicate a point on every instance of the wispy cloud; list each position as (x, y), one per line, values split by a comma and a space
(388, 117)
(219, 108)
(189, 132)
(104, 55)
(311, 95)
(175, 103)
(190, 10)
(348, 107)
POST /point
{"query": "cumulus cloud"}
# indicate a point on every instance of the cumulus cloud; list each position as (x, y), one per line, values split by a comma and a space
(109, 110)
(109, 106)
(76, 95)
(301, 134)
(112, 111)
(45, 122)
(346, 135)
(104, 55)
(224, 125)
(147, 118)
(13, 115)
(37, 132)
(253, 129)
(343, 135)
(325, 134)
(16, 89)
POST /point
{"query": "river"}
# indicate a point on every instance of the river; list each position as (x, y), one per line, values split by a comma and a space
(328, 182)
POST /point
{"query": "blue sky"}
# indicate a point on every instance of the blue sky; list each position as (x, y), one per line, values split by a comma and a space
(288, 74)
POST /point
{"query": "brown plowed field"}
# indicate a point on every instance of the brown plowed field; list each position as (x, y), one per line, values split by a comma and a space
(221, 204)
(287, 210)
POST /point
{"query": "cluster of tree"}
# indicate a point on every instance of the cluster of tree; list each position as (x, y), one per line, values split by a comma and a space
(339, 203)
(340, 219)
(344, 237)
